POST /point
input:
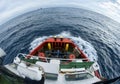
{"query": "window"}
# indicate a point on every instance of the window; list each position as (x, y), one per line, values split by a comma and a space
(80, 76)
(51, 76)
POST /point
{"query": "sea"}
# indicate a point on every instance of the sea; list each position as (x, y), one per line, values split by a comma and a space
(97, 35)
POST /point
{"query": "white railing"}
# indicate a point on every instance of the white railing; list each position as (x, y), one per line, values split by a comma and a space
(49, 58)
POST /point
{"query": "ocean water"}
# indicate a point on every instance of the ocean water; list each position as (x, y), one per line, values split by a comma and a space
(97, 35)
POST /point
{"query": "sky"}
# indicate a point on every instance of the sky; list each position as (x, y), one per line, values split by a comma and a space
(12, 8)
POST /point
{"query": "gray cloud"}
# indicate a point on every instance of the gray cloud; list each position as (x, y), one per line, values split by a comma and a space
(12, 8)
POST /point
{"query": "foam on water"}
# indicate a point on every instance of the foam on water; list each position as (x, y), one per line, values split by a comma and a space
(87, 48)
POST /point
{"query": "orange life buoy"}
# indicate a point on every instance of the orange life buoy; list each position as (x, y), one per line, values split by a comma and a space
(71, 56)
(42, 56)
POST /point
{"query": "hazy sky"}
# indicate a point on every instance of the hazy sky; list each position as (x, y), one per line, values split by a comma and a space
(12, 8)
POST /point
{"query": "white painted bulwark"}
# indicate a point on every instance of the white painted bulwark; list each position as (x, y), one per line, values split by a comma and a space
(73, 70)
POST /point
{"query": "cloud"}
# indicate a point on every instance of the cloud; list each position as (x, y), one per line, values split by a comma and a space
(118, 1)
(12, 8)
(111, 9)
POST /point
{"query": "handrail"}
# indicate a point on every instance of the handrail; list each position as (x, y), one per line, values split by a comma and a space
(62, 59)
